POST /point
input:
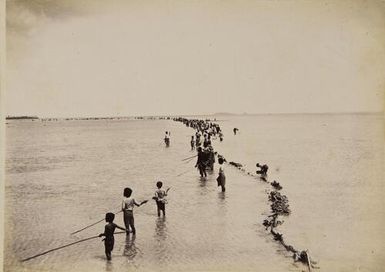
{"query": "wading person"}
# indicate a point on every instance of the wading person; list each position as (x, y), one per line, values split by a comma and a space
(198, 139)
(210, 157)
(263, 169)
(201, 162)
(192, 143)
(205, 141)
(160, 198)
(128, 204)
(109, 230)
(220, 136)
(221, 179)
(167, 138)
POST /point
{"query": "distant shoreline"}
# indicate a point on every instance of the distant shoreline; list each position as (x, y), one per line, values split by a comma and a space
(169, 117)
(21, 117)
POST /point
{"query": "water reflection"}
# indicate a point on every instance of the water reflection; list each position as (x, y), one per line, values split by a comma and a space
(161, 228)
(130, 250)
(109, 266)
(222, 197)
(222, 206)
(202, 182)
(203, 179)
(161, 248)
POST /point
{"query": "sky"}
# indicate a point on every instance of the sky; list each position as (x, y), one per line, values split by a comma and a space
(120, 58)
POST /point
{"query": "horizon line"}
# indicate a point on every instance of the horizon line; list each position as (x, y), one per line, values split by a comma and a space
(209, 114)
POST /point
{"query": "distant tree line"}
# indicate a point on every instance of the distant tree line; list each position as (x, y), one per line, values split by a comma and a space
(21, 117)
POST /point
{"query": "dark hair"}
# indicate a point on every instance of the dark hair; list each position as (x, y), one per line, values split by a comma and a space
(110, 217)
(220, 160)
(127, 192)
(159, 184)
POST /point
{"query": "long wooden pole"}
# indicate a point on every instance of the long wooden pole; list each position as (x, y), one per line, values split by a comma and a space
(60, 247)
(189, 157)
(93, 224)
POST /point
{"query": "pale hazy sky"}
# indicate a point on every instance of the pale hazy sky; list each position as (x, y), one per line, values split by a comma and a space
(106, 58)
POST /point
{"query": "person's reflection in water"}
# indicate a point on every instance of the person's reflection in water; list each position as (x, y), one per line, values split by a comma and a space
(130, 250)
(222, 198)
(109, 266)
(161, 229)
(222, 205)
(162, 253)
(202, 182)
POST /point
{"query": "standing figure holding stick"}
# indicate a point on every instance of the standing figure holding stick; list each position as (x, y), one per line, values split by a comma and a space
(160, 198)
(109, 230)
(128, 204)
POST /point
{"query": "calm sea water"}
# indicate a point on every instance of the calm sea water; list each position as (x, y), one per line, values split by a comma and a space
(62, 176)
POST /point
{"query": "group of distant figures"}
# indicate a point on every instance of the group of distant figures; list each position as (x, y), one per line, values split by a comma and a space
(201, 141)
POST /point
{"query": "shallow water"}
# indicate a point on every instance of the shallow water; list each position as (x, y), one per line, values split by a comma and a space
(331, 168)
(62, 176)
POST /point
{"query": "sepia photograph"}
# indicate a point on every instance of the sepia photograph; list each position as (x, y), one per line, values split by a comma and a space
(190, 135)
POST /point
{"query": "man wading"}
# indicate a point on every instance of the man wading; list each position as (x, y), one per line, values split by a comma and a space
(201, 162)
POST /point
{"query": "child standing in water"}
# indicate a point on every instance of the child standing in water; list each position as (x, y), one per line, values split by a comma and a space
(221, 179)
(167, 138)
(109, 230)
(128, 204)
(160, 198)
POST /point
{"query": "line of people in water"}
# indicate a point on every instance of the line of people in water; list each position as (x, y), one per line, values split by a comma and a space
(202, 127)
(205, 131)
